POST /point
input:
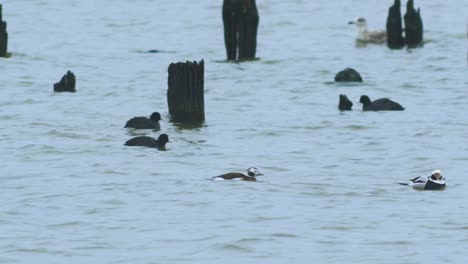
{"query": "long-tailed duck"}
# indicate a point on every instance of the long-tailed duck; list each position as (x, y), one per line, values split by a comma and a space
(141, 122)
(250, 175)
(435, 181)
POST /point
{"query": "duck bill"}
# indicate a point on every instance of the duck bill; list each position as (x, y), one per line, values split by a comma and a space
(351, 23)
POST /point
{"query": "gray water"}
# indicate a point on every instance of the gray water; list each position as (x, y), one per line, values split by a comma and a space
(70, 192)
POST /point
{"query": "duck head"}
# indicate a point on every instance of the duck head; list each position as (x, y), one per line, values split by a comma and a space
(155, 117)
(163, 139)
(437, 175)
(365, 100)
(253, 172)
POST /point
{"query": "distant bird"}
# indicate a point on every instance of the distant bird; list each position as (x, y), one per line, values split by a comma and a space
(383, 104)
(368, 36)
(141, 122)
(433, 182)
(348, 75)
(250, 175)
(144, 141)
(345, 104)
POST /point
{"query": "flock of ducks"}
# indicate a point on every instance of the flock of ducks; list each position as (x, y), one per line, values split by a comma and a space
(382, 104)
(435, 181)
(141, 122)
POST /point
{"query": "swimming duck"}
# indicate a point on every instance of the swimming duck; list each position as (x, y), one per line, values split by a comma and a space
(382, 104)
(144, 141)
(435, 181)
(368, 36)
(250, 175)
(141, 122)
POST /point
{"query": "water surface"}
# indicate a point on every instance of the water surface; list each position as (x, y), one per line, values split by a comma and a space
(72, 193)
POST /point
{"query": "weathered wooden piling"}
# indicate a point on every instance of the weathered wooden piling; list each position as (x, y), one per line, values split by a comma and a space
(345, 104)
(241, 20)
(66, 84)
(413, 26)
(3, 36)
(394, 27)
(185, 93)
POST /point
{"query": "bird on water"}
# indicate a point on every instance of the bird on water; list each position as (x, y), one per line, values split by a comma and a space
(249, 175)
(145, 141)
(141, 122)
(368, 36)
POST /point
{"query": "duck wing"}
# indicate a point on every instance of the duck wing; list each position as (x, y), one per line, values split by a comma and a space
(230, 176)
(143, 141)
(386, 104)
(142, 123)
(377, 36)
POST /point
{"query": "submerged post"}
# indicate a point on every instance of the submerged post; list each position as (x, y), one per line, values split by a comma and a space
(66, 84)
(241, 20)
(185, 93)
(3, 36)
(413, 26)
(394, 28)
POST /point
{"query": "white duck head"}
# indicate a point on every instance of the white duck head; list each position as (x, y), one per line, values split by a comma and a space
(437, 175)
(253, 172)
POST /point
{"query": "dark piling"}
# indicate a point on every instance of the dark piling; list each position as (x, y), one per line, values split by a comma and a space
(66, 84)
(185, 93)
(241, 20)
(345, 104)
(394, 27)
(413, 26)
(3, 36)
(348, 75)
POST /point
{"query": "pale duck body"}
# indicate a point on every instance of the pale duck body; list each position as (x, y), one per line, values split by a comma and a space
(250, 175)
(433, 182)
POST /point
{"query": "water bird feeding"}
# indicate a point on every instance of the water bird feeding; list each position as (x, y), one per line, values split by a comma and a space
(435, 181)
(382, 104)
(249, 175)
(144, 141)
(368, 36)
(141, 122)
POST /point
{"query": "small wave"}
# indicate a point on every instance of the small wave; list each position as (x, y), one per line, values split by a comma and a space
(287, 235)
(235, 247)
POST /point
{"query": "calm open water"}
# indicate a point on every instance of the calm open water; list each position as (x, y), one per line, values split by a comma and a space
(70, 192)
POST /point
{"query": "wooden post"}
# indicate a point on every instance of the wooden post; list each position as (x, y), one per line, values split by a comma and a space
(185, 93)
(413, 26)
(3, 35)
(394, 28)
(66, 84)
(241, 20)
